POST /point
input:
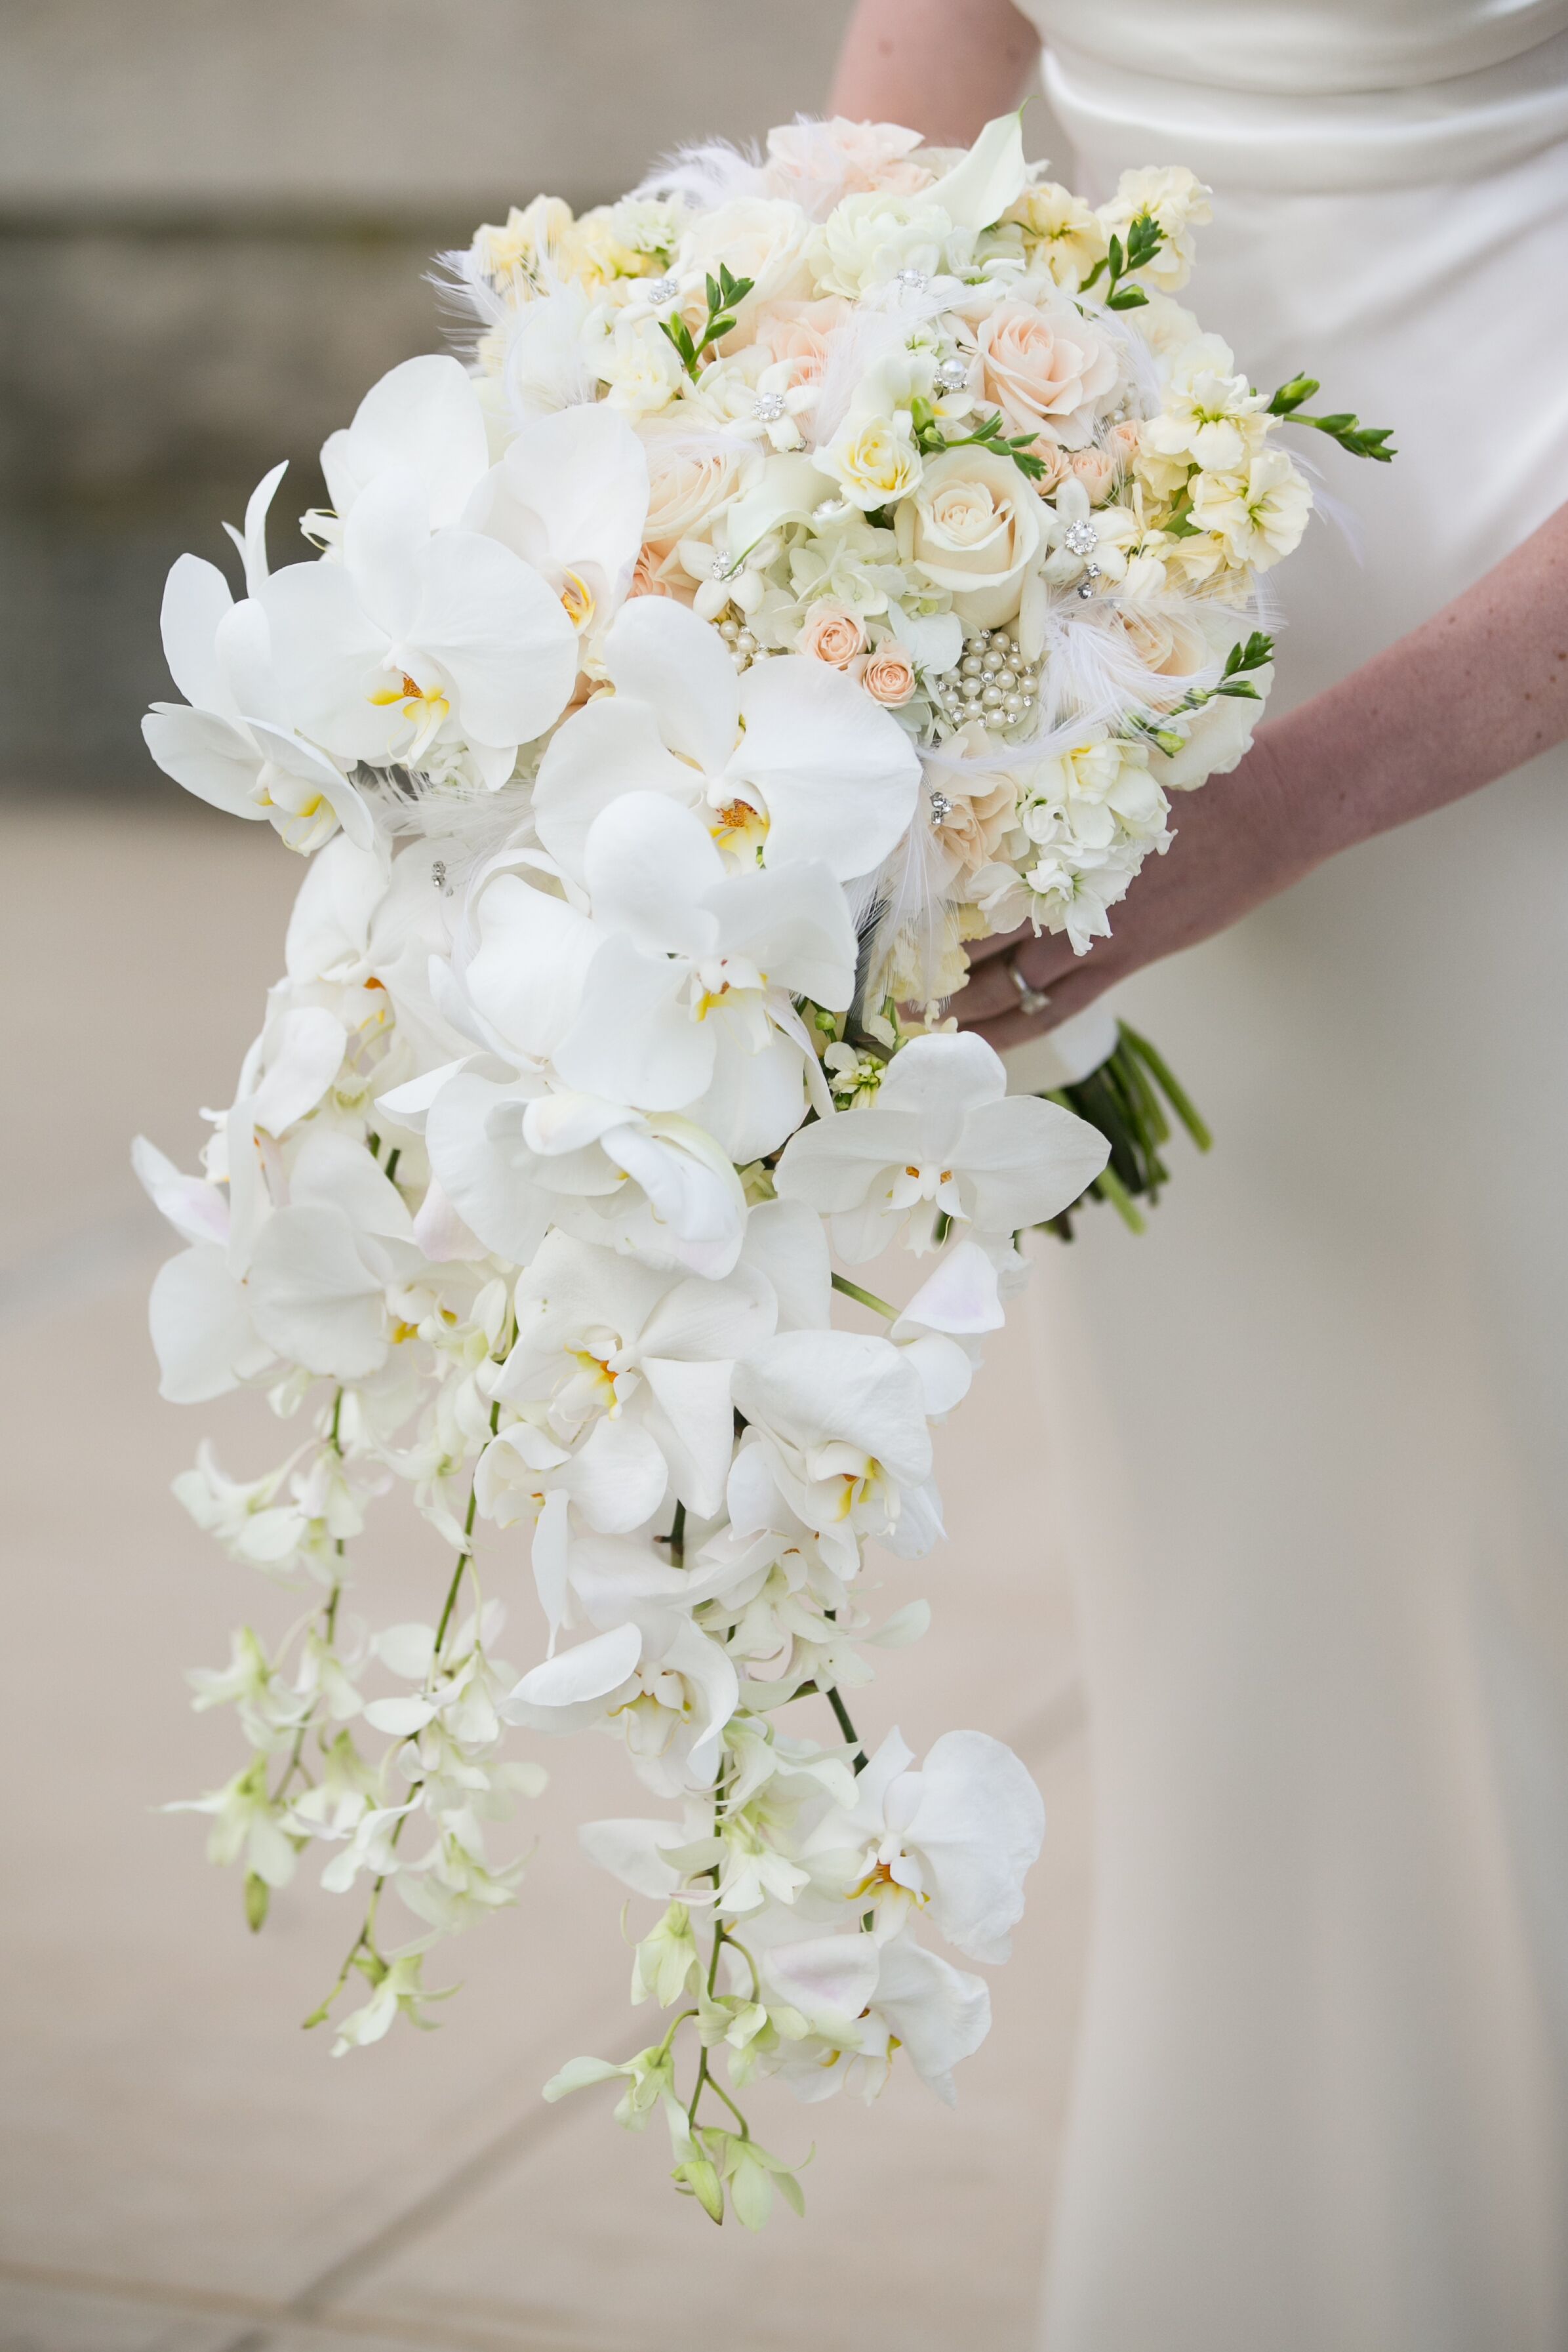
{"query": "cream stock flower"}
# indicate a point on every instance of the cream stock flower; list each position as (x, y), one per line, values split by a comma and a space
(1174, 197)
(1059, 230)
(1259, 515)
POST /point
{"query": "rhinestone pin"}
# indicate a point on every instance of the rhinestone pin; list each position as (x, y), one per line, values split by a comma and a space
(1082, 537)
(663, 289)
(769, 407)
(916, 280)
(941, 807)
(953, 375)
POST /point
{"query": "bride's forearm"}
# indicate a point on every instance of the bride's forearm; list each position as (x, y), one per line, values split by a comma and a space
(935, 67)
(1474, 692)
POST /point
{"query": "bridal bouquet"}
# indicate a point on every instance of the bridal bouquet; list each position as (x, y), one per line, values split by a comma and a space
(820, 562)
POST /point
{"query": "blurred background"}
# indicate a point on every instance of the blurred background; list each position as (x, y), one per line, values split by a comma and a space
(215, 217)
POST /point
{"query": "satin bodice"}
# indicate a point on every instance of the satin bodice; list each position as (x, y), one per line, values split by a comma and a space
(1285, 94)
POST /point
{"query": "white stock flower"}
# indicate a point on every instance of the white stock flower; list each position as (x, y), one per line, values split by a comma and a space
(790, 762)
(1178, 201)
(1207, 414)
(943, 1130)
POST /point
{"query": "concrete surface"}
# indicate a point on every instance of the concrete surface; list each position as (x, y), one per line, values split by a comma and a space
(181, 2169)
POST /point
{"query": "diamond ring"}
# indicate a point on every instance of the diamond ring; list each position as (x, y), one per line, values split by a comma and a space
(1031, 1000)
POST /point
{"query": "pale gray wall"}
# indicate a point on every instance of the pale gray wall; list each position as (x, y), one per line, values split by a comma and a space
(214, 216)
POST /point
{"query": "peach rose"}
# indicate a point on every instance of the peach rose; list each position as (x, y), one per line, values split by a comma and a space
(818, 162)
(1165, 643)
(888, 674)
(1046, 369)
(832, 634)
(795, 335)
(690, 477)
(977, 824)
(1096, 469)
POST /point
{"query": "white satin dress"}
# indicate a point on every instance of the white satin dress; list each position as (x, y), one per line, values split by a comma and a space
(1308, 1441)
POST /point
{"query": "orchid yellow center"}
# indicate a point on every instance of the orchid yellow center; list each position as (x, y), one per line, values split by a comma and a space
(578, 601)
(736, 825)
(425, 707)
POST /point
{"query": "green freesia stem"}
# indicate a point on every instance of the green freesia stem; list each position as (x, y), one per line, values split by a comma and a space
(865, 1297)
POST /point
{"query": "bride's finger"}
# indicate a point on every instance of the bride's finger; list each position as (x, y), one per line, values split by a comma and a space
(997, 985)
(1010, 1026)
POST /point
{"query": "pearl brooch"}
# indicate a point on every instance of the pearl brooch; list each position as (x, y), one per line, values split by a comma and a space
(1082, 537)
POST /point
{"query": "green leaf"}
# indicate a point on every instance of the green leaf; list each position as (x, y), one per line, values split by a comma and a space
(1126, 298)
(1242, 687)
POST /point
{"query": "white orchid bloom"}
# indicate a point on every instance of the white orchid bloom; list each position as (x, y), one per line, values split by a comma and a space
(419, 639)
(862, 2000)
(599, 1335)
(203, 1332)
(322, 1265)
(838, 1431)
(611, 1483)
(688, 1003)
(422, 419)
(942, 1131)
(957, 1836)
(570, 496)
(233, 742)
(670, 1708)
(789, 761)
(513, 1158)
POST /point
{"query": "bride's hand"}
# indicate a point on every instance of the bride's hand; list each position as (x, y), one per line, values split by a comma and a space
(1235, 843)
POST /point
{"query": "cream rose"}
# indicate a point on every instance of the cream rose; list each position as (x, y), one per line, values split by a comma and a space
(832, 634)
(1046, 370)
(974, 527)
(872, 461)
(690, 477)
(888, 674)
(761, 237)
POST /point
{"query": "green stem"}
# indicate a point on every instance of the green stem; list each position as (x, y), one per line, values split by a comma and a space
(1111, 1188)
(847, 1727)
(866, 1297)
(678, 1537)
(1176, 1094)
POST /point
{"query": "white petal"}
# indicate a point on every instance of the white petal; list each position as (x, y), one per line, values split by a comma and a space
(211, 756)
(992, 175)
(785, 1242)
(617, 1478)
(793, 922)
(313, 1299)
(648, 862)
(200, 1327)
(329, 928)
(610, 747)
(940, 2013)
(499, 632)
(980, 1823)
(960, 1295)
(630, 1852)
(589, 1671)
(424, 415)
(484, 1168)
(526, 977)
(304, 1054)
(635, 1040)
(195, 598)
(329, 660)
(813, 1387)
(199, 1212)
(584, 474)
(663, 655)
(1025, 1160)
(383, 539)
(839, 777)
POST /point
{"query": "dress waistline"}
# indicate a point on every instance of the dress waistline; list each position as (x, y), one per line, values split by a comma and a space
(1464, 129)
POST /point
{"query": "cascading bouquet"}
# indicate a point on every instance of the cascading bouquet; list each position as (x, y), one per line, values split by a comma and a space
(823, 560)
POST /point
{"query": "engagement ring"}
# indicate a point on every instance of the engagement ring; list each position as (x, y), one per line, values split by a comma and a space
(1030, 999)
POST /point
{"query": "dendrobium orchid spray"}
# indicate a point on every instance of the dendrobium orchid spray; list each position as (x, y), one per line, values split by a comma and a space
(815, 562)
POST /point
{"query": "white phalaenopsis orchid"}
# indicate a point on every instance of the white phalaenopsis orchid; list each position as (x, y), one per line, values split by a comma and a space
(954, 1836)
(688, 1001)
(234, 741)
(787, 761)
(418, 639)
(817, 556)
(944, 1138)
